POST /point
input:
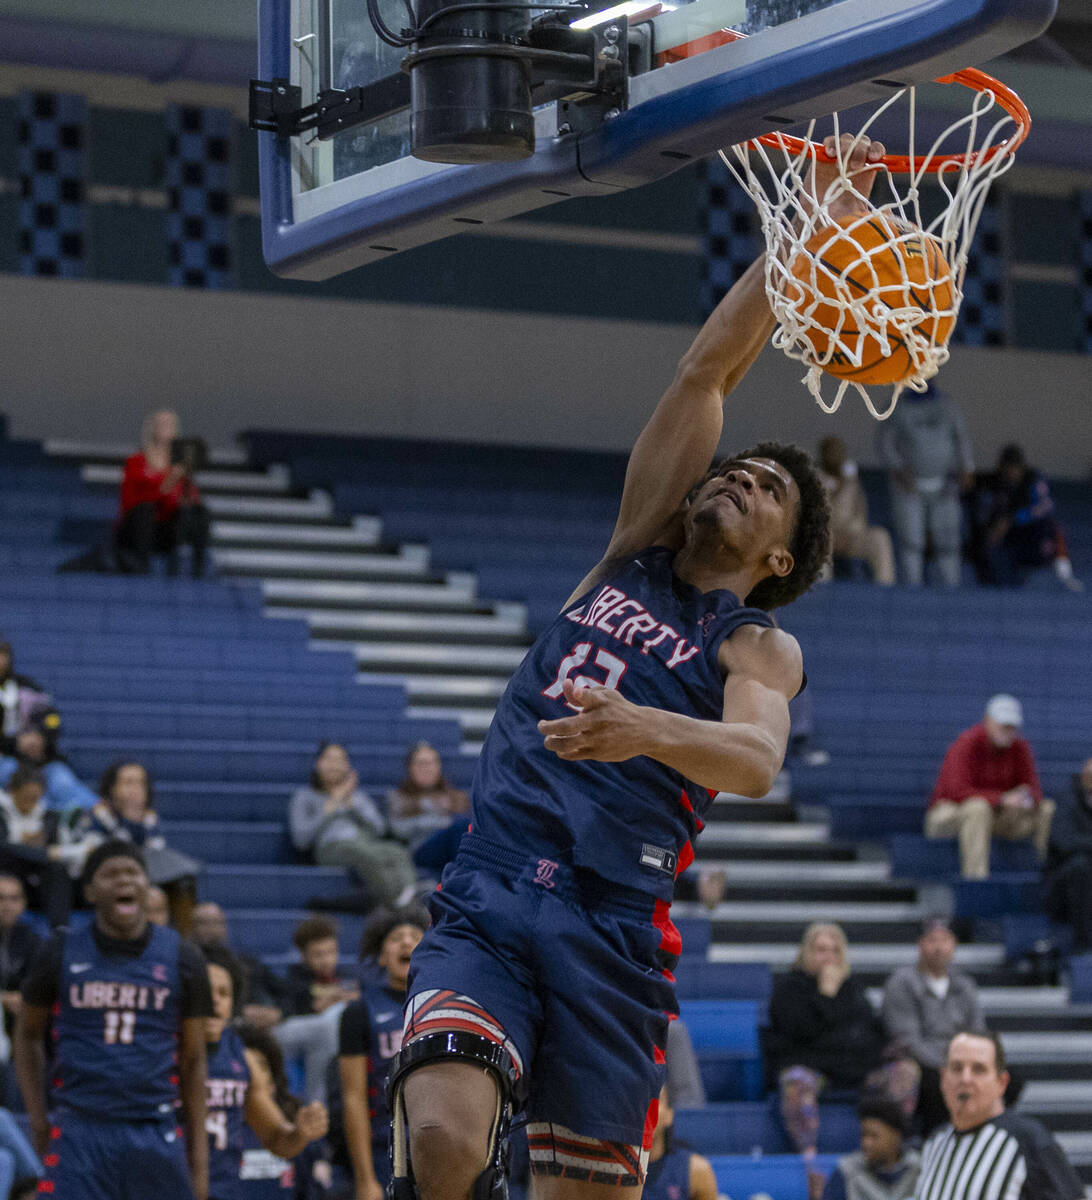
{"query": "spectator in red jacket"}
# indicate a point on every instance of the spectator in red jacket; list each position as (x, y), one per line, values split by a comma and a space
(988, 787)
(161, 506)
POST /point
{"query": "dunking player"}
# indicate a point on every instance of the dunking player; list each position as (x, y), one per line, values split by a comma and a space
(129, 1001)
(545, 978)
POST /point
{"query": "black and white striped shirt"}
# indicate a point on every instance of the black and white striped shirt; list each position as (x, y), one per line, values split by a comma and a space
(1011, 1157)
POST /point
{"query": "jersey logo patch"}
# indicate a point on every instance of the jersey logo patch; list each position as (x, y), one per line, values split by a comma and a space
(659, 858)
(544, 874)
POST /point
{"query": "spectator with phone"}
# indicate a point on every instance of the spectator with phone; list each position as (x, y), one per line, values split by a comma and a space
(161, 506)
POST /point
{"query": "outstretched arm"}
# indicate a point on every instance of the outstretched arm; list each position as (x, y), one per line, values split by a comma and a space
(742, 753)
(677, 445)
(275, 1131)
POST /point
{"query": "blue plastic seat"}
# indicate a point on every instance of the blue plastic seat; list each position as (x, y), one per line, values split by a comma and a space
(783, 1177)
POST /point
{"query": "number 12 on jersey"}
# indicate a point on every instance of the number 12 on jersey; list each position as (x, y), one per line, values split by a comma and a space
(613, 669)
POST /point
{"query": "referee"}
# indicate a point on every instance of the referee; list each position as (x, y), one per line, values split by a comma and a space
(987, 1153)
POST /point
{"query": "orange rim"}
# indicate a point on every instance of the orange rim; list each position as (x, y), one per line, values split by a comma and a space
(902, 164)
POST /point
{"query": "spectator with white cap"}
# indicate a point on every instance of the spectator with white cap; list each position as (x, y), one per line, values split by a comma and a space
(988, 787)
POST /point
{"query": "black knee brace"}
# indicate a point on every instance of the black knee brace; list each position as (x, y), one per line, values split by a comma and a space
(454, 1046)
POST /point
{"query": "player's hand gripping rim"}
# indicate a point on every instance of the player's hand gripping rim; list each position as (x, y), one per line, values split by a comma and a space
(860, 159)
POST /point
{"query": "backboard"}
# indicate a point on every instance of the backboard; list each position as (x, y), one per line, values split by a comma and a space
(334, 203)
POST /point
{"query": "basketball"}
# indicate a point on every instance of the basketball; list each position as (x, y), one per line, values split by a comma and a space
(875, 258)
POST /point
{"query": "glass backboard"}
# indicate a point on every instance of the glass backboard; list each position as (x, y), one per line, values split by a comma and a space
(332, 204)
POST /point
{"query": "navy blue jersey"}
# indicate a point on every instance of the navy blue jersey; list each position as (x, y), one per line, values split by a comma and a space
(654, 638)
(117, 1027)
(668, 1178)
(225, 1099)
(372, 1026)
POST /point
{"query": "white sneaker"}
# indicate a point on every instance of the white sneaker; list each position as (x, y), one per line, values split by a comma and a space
(1063, 568)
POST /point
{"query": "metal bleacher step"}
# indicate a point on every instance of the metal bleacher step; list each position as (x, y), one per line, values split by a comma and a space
(416, 657)
(454, 592)
(1047, 1047)
(875, 956)
(316, 508)
(505, 623)
(118, 452)
(763, 912)
(1056, 1095)
(719, 836)
(466, 690)
(274, 480)
(406, 562)
(1078, 1149)
(804, 873)
(365, 533)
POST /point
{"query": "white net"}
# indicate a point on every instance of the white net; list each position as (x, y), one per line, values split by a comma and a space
(870, 301)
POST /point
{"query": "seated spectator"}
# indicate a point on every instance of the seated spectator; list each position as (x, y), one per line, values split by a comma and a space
(998, 1155)
(684, 1083)
(850, 533)
(823, 1033)
(675, 1172)
(338, 824)
(239, 1091)
(370, 1035)
(988, 787)
(924, 1007)
(883, 1168)
(424, 802)
(1069, 860)
(315, 995)
(37, 845)
(126, 812)
(1015, 529)
(20, 699)
(161, 507)
(260, 996)
(19, 942)
(36, 746)
(263, 1173)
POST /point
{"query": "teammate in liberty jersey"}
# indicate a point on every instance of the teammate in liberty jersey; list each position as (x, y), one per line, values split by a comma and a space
(239, 1095)
(545, 980)
(369, 1037)
(129, 1001)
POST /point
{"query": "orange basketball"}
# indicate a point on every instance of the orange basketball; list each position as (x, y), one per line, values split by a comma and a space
(873, 257)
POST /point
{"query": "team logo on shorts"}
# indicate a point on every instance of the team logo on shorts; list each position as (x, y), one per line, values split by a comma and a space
(544, 875)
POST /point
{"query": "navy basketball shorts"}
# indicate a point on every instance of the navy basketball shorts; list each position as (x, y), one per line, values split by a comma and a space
(115, 1160)
(572, 976)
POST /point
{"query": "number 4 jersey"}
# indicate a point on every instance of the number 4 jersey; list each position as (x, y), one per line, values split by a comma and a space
(118, 1012)
(653, 638)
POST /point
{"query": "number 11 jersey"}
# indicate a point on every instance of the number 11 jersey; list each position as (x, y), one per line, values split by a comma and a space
(653, 638)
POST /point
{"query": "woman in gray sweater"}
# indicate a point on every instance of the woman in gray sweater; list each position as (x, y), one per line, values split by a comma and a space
(337, 823)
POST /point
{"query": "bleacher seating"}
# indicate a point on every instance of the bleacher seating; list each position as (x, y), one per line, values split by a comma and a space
(226, 705)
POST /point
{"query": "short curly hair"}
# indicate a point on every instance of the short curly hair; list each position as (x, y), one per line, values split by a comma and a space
(384, 922)
(809, 543)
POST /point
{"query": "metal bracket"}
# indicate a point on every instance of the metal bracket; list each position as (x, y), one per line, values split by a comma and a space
(586, 69)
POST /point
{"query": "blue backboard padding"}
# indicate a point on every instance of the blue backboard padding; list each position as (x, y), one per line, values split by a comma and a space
(811, 66)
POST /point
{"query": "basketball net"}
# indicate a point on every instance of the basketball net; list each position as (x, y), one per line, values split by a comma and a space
(775, 170)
